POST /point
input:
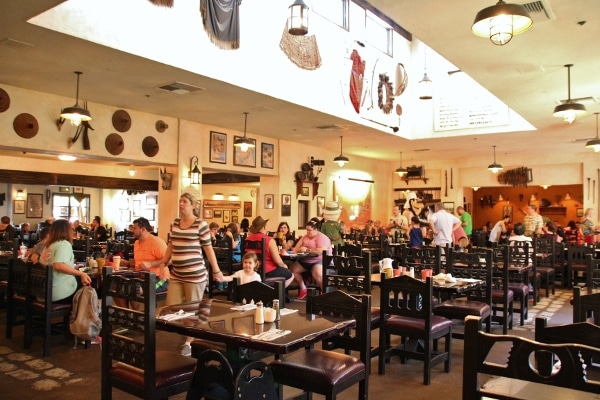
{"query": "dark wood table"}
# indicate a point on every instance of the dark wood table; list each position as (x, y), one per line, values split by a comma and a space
(293, 256)
(214, 320)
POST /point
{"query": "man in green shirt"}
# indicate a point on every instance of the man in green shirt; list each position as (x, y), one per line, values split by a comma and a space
(465, 219)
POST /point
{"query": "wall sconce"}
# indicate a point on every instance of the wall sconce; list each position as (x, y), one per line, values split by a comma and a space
(475, 188)
(500, 198)
(233, 196)
(20, 194)
(218, 196)
(132, 171)
(194, 172)
(545, 186)
(76, 114)
(298, 23)
(533, 198)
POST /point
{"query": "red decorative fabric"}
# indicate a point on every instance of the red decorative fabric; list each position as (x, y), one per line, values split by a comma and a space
(356, 79)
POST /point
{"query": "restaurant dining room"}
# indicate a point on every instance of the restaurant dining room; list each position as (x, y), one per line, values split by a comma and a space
(283, 110)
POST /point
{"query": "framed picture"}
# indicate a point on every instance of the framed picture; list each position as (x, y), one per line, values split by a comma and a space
(286, 205)
(508, 210)
(137, 205)
(244, 158)
(247, 209)
(449, 206)
(267, 156)
(208, 214)
(217, 213)
(304, 191)
(234, 218)
(234, 212)
(151, 199)
(580, 212)
(35, 206)
(269, 201)
(125, 216)
(226, 216)
(19, 207)
(149, 214)
(218, 147)
(320, 205)
(77, 190)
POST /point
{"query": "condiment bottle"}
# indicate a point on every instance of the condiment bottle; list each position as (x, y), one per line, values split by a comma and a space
(276, 308)
(412, 272)
(259, 316)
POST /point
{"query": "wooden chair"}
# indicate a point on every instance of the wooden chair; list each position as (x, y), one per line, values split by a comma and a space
(259, 248)
(516, 365)
(327, 372)
(506, 256)
(224, 255)
(545, 254)
(41, 311)
(16, 295)
(213, 378)
(592, 274)
(255, 381)
(348, 250)
(429, 257)
(478, 302)
(576, 263)
(408, 302)
(130, 360)
(586, 306)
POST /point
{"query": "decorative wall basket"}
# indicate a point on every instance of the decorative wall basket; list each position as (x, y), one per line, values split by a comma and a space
(516, 177)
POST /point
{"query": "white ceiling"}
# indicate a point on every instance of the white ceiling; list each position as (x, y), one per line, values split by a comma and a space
(528, 75)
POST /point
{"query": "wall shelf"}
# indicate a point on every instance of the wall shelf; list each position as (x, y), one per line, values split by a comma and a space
(300, 185)
(553, 211)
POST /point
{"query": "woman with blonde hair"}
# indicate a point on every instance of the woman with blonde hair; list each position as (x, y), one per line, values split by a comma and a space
(189, 236)
(589, 227)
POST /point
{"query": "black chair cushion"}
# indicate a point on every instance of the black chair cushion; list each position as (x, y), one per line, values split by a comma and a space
(171, 368)
(418, 325)
(460, 308)
(498, 295)
(520, 290)
(319, 370)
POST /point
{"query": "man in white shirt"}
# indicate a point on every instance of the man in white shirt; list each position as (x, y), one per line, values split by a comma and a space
(442, 224)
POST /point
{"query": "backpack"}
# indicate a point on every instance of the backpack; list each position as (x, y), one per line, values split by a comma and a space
(85, 322)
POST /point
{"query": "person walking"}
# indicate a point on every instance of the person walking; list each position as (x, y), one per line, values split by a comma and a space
(189, 237)
(533, 221)
(442, 224)
(465, 220)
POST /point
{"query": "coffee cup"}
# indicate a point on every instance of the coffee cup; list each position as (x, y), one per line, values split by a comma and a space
(116, 262)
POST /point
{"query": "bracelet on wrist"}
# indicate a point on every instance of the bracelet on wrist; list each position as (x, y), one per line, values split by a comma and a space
(217, 273)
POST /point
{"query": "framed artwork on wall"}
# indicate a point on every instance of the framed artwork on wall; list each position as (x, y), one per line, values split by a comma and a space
(286, 205)
(449, 206)
(77, 190)
(19, 207)
(149, 214)
(151, 199)
(244, 158)
(218, 147)
(208, 214)
(508, 210)
(218, 213)
(269, 201)
(304, 191)
(235, 218)
(247, 209)
(137, 205)
(226, 216)
(267, 156)
(580, 212)
(35, 206)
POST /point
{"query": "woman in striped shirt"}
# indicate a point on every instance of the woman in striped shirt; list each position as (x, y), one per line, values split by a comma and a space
(189, 236)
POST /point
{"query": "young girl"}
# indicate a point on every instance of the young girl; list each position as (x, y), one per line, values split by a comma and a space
(248, 273)
(416, 233)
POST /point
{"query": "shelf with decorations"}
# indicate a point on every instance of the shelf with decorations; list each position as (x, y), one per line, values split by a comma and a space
(300, 187)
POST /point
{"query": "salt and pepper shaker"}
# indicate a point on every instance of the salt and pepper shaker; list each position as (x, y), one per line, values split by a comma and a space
(276, 308)
(259, 316)
(412, 272)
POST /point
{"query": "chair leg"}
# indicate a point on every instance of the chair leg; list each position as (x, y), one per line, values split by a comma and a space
(448, 349)
(427, 362)
(47, 337)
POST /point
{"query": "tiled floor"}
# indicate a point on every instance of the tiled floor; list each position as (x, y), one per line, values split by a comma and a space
(75, 373)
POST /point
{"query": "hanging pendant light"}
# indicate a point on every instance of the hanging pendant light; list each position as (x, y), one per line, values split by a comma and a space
(341, 159)
(495, 167)
(595, 142)
(401, 171)
(298, 23)
(244, 143)
(76, 114)
(501, 22)
(425, 84)
(569, 111)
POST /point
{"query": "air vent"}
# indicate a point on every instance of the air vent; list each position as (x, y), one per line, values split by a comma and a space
(14, 44)
(586, 101)
(539, 11)
(180, 88)
(329, 127)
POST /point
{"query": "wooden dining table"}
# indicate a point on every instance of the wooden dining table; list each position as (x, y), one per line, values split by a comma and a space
(218, 320)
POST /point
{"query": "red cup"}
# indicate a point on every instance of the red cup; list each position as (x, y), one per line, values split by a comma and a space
(397, 272)
(427, 272)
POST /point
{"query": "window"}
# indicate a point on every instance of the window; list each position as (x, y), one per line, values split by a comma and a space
(335, 11)
(378, 33)
(71, 207)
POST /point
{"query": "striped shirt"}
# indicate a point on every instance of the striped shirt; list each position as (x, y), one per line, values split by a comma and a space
(188, 263)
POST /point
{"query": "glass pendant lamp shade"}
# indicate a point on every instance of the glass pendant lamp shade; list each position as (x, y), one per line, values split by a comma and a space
(298, 23)
(501, 22)
(244, 143)
(76, 114)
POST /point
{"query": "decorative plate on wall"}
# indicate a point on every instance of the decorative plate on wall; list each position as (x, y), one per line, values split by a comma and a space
(25, 125)
(4, 100)
(150, 146)
(121, 120)
(114, 144)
